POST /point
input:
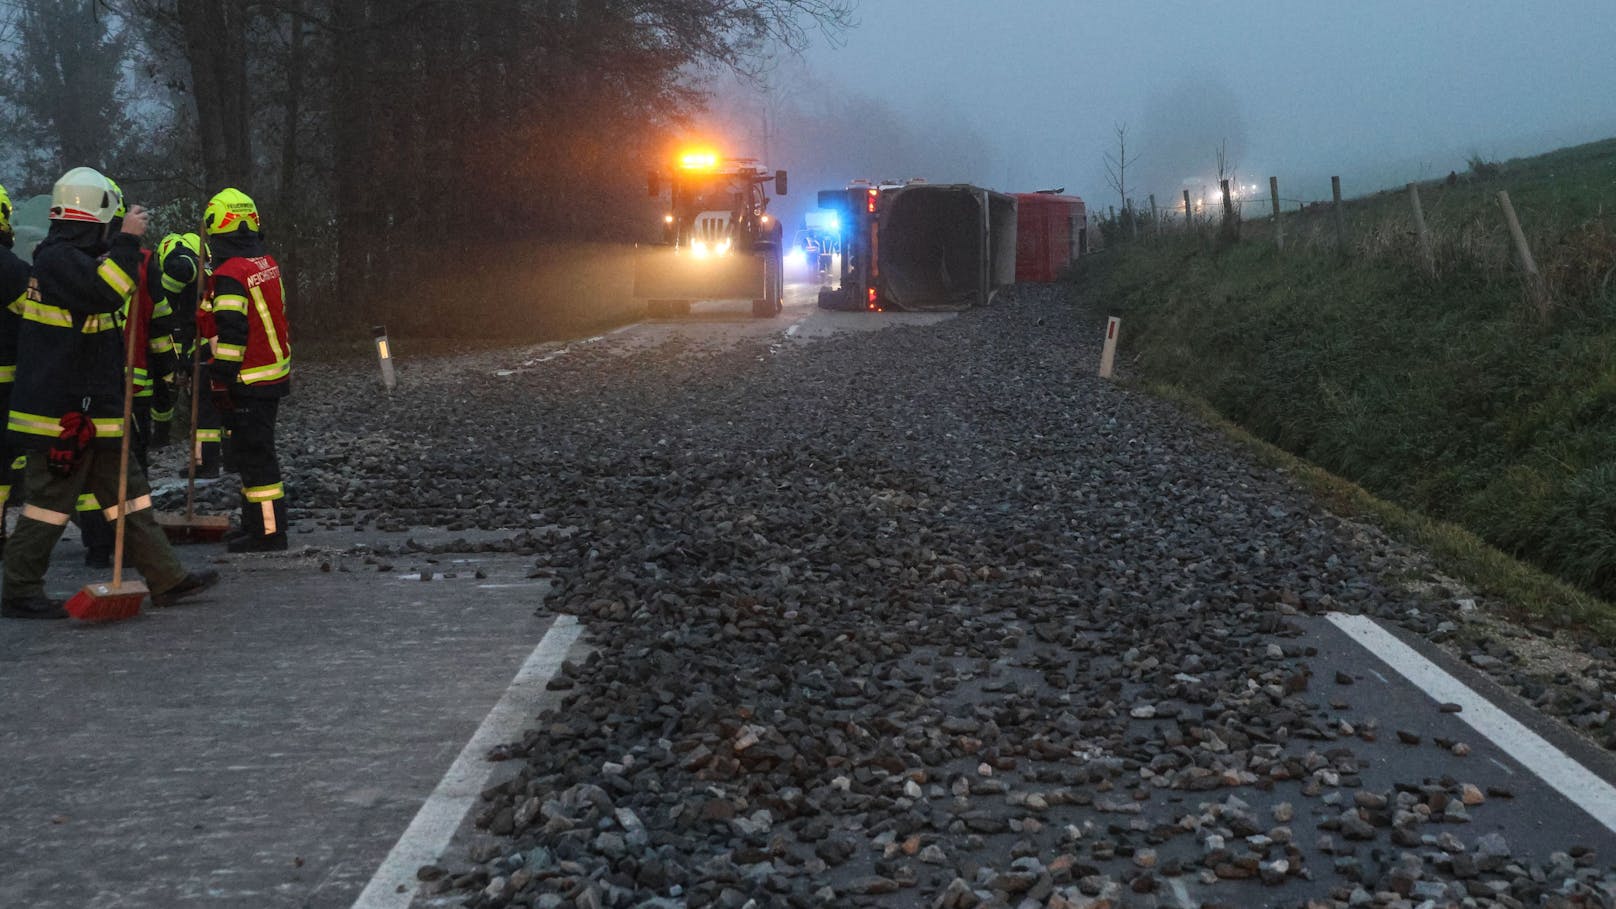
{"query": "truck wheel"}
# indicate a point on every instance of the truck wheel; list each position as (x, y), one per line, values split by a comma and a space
(774, 273)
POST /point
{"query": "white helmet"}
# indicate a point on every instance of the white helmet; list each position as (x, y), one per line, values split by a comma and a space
(84, 194)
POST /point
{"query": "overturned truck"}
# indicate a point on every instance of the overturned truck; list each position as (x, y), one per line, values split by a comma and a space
(920, 246)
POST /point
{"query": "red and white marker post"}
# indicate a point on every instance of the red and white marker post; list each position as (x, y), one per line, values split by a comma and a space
(1113, 325)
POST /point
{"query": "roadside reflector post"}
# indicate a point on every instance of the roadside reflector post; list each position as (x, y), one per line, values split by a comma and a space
(1189, 212)
(384, 353)
(1108, 356)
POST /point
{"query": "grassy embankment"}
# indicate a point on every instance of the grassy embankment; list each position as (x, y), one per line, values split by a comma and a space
(1451, 397)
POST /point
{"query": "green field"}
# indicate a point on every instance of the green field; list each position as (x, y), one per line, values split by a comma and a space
(1452, 396)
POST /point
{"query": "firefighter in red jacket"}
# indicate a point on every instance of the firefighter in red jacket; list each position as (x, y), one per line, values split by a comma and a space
(154, 352)
(251, 368)
(210, 423)
(170, 281)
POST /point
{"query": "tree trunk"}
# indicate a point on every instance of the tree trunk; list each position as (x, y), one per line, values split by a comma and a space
(350, 128)
(216, 52)
(286, 195)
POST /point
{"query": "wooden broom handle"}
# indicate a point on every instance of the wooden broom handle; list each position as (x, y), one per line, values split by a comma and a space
(132, 316)
(194, 453)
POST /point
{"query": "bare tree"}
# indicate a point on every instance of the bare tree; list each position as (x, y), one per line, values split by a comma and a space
(1225, 166)
(1231, 205)
(1227, 171)
(1116, 166)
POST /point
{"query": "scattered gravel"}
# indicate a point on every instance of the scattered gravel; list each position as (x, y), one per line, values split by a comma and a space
(921, 617)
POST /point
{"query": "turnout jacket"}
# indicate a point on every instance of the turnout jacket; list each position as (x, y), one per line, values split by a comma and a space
(69, 341)
(252, 349)
(173, 285)
(14, 274)
(154, 327)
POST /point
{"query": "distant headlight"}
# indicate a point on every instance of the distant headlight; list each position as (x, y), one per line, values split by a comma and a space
(700, 249)
(797, 257)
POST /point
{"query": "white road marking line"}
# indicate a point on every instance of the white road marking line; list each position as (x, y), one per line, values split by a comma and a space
(1581, 786)
(510, 586)
(393, 885)
(1503, 766)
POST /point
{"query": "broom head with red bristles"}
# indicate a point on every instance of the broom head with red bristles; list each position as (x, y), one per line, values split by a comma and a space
(106, 602)
(198, 528)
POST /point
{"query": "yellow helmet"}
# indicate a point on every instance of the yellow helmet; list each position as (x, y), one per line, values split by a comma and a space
(123, 207)
(190, 241)
(5, 211)
(230, 210)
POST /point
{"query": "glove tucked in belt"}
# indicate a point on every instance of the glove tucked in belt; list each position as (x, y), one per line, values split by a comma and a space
(68, 449)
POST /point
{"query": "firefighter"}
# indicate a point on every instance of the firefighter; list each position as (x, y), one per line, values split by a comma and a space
(178, 268)
(67, 406)
(154, 356)
(154, 352)
(252, 363)
(210, 422)
(13, 296)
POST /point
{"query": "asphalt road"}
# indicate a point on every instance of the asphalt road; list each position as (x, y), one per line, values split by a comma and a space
(268, 745)
(283, 742)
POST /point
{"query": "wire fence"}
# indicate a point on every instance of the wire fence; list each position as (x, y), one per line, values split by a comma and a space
(1442, 227)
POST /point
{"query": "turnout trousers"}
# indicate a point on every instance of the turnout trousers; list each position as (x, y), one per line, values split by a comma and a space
(252, 450)
(49, 501)
(140, 418)
(162, 412)
(209, 436)
(5, 461)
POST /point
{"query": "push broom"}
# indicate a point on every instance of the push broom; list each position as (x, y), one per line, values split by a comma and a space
(120, 599)
(193, 527)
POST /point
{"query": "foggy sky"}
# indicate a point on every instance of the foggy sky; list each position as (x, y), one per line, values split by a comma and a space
(1024, 94)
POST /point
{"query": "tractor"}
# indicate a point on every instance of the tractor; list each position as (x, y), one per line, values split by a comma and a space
(718, 240)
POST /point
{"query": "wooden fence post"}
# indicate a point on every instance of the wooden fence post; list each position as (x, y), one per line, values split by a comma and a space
(1340, 217)
(1427, 257)
(1535, 285)
(1155, 217)
(1231, 230)
(1279, 226)
(1189, 212)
